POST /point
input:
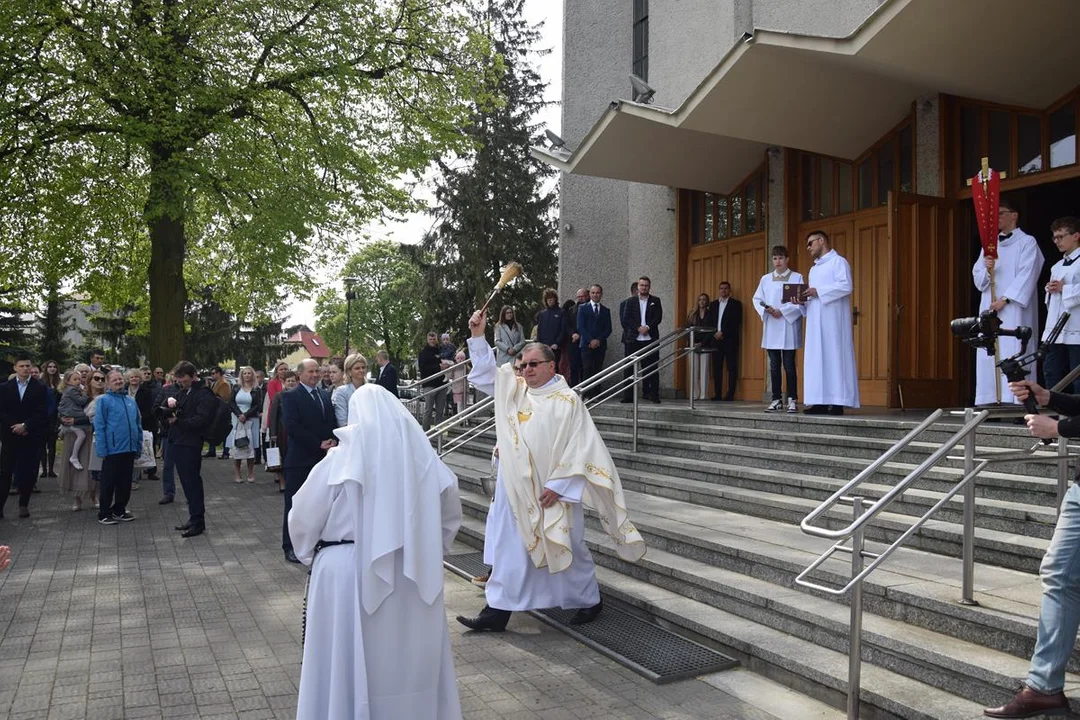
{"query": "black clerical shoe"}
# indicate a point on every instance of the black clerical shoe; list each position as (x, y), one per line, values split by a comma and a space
(290, 556)
(1029, 703)
(489, 620)
(836, 409)
(193, 531)
(185, 526)
(586, 615)
(816, 410)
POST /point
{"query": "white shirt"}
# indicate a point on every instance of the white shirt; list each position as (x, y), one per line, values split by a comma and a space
(643, 302)
(22, 387)
(1067, 300)
(721, 306)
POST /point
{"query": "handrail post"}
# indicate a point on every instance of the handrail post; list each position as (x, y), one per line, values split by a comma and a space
(967, 583)
(637, 386)
(855, 628)
(693, 370)
(1063, 471)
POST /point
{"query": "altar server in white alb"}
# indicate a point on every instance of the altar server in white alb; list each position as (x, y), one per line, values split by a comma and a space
(830, 378)
(373, 521)
(1016, 274)
(551, 462)
(781, 329)
(1063, 296)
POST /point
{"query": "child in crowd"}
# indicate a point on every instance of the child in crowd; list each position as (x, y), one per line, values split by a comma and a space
(73, 405)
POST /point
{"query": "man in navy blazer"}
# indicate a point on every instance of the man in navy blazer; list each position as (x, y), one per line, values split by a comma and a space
(388, 377)
(594, 327)
(307, 415)
(642, 315)
(23, 417)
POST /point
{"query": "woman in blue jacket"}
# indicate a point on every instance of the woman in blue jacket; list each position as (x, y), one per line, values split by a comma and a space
(118, 440)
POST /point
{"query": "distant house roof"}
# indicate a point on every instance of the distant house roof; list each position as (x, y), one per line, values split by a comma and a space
(312, 342)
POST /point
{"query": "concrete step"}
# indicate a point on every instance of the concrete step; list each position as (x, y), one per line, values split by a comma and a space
(800, 638)
(702, 482)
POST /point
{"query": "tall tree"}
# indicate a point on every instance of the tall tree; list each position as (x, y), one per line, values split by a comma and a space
(51, 342)
(388, 308)
(496, 204)
(15, 328)
(205, 143)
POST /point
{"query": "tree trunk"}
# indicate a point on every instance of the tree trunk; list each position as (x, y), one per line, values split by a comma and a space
(164, 216)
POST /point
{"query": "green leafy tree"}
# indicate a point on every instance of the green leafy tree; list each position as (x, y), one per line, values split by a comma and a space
(388, 309)
(497, 204)
(15, 329)
(198, 143)
(51, 343)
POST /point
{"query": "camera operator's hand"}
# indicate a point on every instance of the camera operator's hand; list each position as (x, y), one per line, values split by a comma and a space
(990, 262)
(1024, 388)
(1042, 426)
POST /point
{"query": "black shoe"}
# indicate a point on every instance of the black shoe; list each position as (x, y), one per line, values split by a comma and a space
(586, 615)
(290, 556)
(489, 620)
(44, 474)
(816, 410)
(165, 500)
(208, 455)
(185, 526)
(126, 517)
(35, 489)
(52, 474)
(836, 409)
(655, 400)
(193, 531)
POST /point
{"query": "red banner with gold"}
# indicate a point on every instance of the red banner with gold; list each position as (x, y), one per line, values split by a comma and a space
(986, 193)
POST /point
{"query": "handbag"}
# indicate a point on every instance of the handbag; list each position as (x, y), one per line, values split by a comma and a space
(146, 457)
(241, 441)
(272, 456)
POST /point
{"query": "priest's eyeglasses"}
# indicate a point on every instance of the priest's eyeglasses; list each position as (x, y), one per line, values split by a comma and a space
(531, 364)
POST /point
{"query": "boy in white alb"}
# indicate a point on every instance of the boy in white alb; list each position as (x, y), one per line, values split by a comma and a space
(781, 329)
(1063, 296)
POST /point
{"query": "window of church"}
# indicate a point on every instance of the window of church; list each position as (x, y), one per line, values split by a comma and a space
(866, 183)
(826, 196)
(640, 62)
(998, 138)
(907, 160)
(718, 217)
(752, 207)
(1029, 142)
(970, 141)
(1063, 135)
(845, 191)
(710, 216)
(721, 217)
(886, 171)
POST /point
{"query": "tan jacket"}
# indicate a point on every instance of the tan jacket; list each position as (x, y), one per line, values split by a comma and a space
(223, 390)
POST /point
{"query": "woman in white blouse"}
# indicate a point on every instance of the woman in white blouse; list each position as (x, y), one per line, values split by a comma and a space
(246, 404)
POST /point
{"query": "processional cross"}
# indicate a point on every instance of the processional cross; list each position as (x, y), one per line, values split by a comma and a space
(986, 194)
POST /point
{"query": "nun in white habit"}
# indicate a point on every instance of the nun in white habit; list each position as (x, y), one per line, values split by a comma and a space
(373, 521)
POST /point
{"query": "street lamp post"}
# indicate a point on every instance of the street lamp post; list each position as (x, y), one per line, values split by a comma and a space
(349, 297)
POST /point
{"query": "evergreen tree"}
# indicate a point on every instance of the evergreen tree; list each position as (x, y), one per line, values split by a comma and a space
(51, 343)
(497, 204)
(15, 329)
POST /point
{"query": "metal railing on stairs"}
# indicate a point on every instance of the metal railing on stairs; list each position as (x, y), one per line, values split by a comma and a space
(863, 515)
(629, 373)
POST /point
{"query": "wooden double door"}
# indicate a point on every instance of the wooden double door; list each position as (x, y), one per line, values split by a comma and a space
(910, 277)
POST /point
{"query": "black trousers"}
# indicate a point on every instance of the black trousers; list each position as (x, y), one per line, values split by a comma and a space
(787, 357)
(48, 455)
(592, 362)
(19, 457)
(575, 364)
(294, 480)
(188, 461)
(727, 353)
(114, 491)
(650, 386)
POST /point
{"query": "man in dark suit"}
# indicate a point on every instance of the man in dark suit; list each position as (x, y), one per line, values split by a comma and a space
(725, 314)
(580, 298)
(643, 314)
(187, 419)
(594, 328)
(629, 333)
(388, 377)
(23, 417)
(307, 415)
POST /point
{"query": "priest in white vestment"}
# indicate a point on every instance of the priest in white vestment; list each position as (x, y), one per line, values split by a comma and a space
(552, 462)
(1016, 274)
(781, 329)
(373, 521)
(830, 378)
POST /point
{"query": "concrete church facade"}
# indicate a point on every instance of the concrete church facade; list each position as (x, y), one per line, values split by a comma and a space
(774, 117)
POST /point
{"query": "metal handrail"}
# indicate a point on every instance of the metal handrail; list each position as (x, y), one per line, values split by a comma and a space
(435, 376)
(437, 432)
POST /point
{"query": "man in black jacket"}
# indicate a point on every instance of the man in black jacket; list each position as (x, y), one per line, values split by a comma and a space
(23, 418)
(629, 332)
(436, 389)
(725, 314)
(388, 376)
(187, 421)
(641, 316)
(1043, 689)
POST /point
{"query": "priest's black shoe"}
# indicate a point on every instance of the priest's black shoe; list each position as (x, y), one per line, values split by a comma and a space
(1029, 703)
(586, 615)
(185, 526)
(291, 556)
(836, 409)
(816, 410)
(193, 531)
(489, 619)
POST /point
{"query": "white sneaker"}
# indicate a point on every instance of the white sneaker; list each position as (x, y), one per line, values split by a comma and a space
(791, 406)
(75, 463)
(775, 406)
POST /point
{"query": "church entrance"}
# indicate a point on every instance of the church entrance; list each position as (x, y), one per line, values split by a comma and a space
(1038, 205)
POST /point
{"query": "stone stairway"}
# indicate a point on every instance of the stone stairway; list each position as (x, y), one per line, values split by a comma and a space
(718, 494)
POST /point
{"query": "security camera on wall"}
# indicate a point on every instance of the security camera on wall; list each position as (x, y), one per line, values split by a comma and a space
(643, 92)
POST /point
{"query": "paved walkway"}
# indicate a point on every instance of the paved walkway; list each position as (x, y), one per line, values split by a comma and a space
(132, 621)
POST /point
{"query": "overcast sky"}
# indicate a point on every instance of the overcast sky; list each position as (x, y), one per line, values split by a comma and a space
(550, 12)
